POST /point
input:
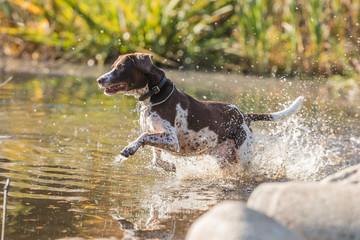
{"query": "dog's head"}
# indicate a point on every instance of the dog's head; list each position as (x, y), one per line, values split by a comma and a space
(129, 72)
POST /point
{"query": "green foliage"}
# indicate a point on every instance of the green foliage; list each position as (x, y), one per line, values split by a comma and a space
(315, 37)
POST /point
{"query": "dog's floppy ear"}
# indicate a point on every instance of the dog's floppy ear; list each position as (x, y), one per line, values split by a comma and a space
(143, 62)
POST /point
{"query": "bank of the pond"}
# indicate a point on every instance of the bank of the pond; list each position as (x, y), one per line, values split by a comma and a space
(49, 68)
(315, 37)
(337, 87)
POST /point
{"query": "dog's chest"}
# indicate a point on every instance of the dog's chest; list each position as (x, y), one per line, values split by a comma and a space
(151, 122)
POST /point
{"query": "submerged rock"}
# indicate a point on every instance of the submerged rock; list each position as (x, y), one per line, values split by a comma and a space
(232, 220)
(313, 210)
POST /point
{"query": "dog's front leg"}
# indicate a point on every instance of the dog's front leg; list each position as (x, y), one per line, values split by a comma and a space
(163, 141)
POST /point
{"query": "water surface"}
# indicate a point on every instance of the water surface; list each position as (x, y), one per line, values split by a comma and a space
(60, 136)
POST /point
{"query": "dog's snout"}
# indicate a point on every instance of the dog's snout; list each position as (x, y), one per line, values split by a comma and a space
(100, 80)
(104, 79)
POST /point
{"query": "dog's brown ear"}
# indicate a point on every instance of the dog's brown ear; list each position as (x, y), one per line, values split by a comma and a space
(143, 62)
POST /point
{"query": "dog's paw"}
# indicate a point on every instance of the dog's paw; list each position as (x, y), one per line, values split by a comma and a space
(125, 153)
(130, 150)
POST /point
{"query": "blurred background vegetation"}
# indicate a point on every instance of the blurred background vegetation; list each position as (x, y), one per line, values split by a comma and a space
(281, 37)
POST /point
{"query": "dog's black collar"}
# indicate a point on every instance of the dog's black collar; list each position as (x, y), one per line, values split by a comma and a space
(154, 90)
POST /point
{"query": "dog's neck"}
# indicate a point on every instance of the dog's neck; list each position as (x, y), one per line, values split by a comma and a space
(155, 78)
(156, 84)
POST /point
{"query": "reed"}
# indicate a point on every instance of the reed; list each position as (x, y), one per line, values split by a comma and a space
(314, 37)
(6, 189)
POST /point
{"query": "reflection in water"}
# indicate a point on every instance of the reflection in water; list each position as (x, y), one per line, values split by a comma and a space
(59, 138)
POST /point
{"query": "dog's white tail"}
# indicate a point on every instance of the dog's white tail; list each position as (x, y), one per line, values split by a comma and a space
(293, 108)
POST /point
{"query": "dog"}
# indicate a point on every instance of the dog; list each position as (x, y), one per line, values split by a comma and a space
(174, 122)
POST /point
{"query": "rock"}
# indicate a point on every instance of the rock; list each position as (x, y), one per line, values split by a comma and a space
(350, 175)
(232, 220)
(314, 210)
(81, 238)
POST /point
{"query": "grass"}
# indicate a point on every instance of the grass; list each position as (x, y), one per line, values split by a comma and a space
(315, 37)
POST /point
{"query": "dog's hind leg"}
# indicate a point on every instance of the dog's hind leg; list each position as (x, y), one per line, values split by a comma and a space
(159, 162)
(226, 153)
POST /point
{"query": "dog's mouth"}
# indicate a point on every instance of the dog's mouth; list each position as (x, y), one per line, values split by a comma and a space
(115, 89)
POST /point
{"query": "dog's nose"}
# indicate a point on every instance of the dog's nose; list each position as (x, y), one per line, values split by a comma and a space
(100, 80)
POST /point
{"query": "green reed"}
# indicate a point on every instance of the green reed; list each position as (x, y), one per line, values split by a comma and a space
(314, 37)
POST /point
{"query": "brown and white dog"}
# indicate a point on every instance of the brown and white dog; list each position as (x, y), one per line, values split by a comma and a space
(174, 122)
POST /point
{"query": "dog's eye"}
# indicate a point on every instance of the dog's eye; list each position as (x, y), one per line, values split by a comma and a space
(120, 67)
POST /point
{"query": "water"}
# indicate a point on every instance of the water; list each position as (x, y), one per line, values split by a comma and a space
(60, 138)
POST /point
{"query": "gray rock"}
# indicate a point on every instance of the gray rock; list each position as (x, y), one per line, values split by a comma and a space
(232, 220)
(314, 210)
(350, 175)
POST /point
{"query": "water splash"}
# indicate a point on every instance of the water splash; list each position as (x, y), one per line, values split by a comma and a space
(288, 149)
(120, 159)
(292, 150)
